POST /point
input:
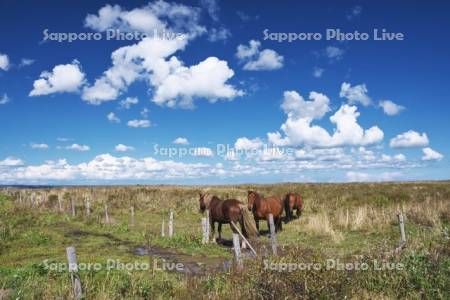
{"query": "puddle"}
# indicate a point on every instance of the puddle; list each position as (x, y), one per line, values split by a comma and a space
(191, 265)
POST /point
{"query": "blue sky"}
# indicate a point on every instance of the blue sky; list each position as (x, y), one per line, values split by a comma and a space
(108, 111)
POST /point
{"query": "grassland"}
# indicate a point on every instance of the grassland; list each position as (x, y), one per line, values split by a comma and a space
(345, 222)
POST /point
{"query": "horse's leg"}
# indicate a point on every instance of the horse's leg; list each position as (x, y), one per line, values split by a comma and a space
(219, 228)
(257, 224)
(279, 223)
(213, 231)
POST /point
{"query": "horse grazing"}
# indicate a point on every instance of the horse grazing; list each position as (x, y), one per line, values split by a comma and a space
(225, 212)
(293, 201)
(262, 207)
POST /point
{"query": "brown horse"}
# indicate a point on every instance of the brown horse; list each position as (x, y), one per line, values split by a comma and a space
(223, 212)
(293, 201)
(262, 207)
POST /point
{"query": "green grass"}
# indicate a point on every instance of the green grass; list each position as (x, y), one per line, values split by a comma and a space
(30, 236)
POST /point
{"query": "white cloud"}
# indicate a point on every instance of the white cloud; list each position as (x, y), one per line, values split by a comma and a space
(139, 123)
(123, 148)
(24, 62)
(11, 162)
(104, 167)
(128, 102)
(77, 147)
(205, 80)
(294, 105)
(298, 129)
(174, 84)
(4, 99)
(355, 94)
(390, 108)
(181, 141)
(244, 143)
(202, 152)
(212, 8)
(218, 34)
(318, 72)
(63, 139)
(63, 78)
(409, 139)
(159, 15)
(334, 53)
(354, 12)
(430, 154)
(256, 59)
(112, 118)
(4, 62)
(144, 112)
(367, 177)
(39, 146)
(152, 60)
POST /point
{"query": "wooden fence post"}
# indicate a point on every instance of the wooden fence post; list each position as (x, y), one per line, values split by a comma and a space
(59, 204)
(208, 226)
(163, 231)
(237, 250)
(73, 270)
(106, 214)
(88, 206)
(72, 201)
(171, 223)
(132, 215)
(204, 231)
(402, 228)
(273, 237)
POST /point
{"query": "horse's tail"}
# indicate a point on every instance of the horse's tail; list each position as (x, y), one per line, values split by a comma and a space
(248, 221)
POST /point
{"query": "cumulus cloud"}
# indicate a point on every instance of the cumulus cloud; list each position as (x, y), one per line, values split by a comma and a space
(156, 16)
(299, 130)
(11, 162)
(40, 146)
(104, 167)
(334, 53)
(409, 139)
(353, 176)
(430, 154)
(24, 62)
(181, 141)
(139, 123)
(4, 99)
(174, 84)
(112, 118)
(123, 148)
(390, 108)
(63, 78)
(128, 102)
(355, 94)
(244, 143)
(152, 60)
(4, 62)
(255, 59)
(77, 147)
(318, 72)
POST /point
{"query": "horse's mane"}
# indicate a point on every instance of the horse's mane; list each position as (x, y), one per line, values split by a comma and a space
(258, 196)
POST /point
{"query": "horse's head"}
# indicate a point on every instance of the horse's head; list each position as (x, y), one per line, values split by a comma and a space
(251, 197)
(290, 199)
(204, 202)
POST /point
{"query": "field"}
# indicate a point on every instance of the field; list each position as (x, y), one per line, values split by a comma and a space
(341, 223)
